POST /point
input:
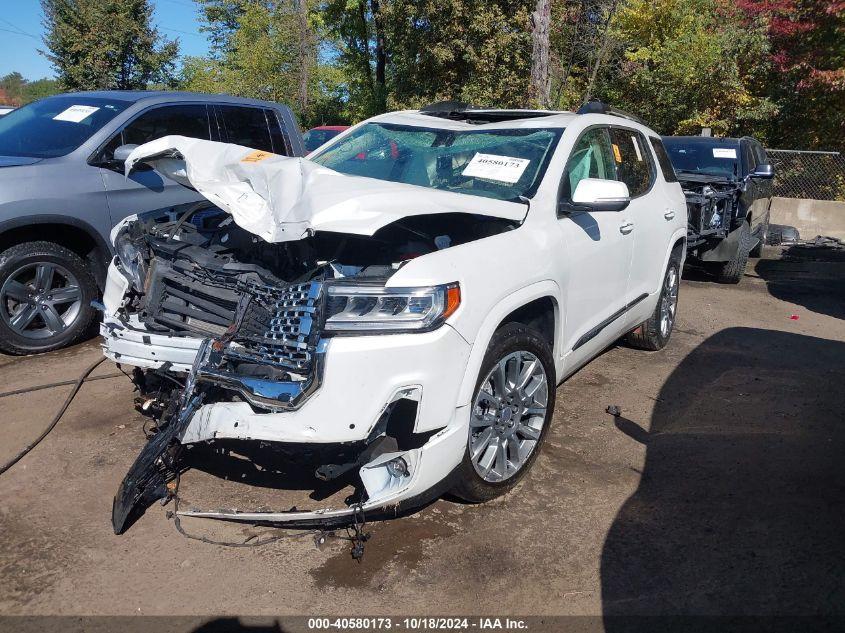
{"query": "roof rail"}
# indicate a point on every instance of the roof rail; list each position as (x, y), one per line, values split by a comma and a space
(599, 107)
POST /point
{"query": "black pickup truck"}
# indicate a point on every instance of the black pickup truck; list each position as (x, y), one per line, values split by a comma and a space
(727, 182)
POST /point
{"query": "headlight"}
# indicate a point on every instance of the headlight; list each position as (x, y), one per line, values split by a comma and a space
(370, 309)
(131, 259)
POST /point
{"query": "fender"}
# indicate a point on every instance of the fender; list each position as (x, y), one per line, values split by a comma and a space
(495, 315)
(677, 235)
(67, 220)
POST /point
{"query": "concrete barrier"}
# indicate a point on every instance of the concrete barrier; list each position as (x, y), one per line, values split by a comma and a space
(810, 217)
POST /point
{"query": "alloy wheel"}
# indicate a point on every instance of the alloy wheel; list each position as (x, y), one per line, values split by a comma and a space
(669, 301)
(40, 300)
(508, 416)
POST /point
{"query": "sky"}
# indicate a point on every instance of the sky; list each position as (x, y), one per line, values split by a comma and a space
(21, 33)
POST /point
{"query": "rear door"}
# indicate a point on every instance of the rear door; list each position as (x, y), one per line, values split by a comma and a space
(651, 212)
(599, 248)
(145, 189)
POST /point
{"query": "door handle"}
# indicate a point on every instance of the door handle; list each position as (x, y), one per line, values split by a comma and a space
(669, 215)
(626, 227)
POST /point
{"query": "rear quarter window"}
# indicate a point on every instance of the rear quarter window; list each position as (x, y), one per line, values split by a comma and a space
(247, 126)
(666, 168)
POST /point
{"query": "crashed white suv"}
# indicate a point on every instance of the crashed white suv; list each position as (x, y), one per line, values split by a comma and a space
(400, 306)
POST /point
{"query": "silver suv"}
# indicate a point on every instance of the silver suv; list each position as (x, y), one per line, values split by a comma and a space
(62, 189)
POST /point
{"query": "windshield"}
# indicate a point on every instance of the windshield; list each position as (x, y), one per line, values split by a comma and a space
(501, 164)
(55, 126)
(705, 156)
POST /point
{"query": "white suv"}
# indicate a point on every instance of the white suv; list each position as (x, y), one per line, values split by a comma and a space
(402, 304)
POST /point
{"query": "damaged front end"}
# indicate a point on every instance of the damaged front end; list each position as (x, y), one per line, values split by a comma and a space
(229, 335)
(712, 206)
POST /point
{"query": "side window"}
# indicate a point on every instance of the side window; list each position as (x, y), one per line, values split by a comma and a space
(663, 160)
(633, 160)
(184, 120)
(591, 157)
(748, 156)
(247, 126)
(759, 153)
(277, 135)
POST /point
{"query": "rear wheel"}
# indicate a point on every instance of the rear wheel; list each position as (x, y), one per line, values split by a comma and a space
(511, 413)
(655, 332)
(45, 298)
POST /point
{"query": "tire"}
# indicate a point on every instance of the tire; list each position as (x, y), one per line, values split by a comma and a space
(653, 334)
(731, 272)
(757, 251)
(520, 433)
(45, 298)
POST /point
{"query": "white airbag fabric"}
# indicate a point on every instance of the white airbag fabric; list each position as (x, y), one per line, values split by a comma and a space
(281, 199)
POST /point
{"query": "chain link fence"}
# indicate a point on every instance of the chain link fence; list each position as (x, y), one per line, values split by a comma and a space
(813, 175)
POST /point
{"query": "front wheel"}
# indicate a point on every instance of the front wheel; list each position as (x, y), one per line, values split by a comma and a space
(511, 413)
(45, 298)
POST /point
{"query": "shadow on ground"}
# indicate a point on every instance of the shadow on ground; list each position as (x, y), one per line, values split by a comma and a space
(741, 505)
(809, 276)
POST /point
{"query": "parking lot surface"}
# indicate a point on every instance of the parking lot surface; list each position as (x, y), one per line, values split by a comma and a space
(719, 489)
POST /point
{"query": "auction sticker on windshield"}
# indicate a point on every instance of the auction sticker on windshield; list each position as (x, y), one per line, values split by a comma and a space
(724, 152)
(501, 168)
(75, 113)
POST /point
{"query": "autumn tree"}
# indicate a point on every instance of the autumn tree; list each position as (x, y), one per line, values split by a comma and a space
(687, 64)
(806, 75)
(106, 44)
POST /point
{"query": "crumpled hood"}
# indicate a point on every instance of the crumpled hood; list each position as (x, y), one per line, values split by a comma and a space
(281, 199)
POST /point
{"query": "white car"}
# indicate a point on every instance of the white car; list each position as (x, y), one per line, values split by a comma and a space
(402, 305)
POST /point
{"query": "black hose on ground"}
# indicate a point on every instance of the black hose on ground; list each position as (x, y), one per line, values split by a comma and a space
(76, 386)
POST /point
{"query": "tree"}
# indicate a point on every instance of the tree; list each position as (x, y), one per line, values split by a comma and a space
(356, 29)
(807, 70)
(539, 87)
(106, 44)
(270, 52)
(17, 91)
(687, 64)
(478, 51)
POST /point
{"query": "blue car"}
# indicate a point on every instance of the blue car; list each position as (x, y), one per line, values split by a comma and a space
(62, 189)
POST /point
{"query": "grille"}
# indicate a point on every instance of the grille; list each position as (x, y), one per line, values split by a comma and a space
(280, 324)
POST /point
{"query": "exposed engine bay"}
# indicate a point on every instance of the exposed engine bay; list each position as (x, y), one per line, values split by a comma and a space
(264, 312)
(711, 208)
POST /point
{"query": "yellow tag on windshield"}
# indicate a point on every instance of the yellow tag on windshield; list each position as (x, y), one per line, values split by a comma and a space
(616, 153)
(256, 157)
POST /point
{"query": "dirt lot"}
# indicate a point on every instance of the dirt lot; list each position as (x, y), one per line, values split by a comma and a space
(720, 489)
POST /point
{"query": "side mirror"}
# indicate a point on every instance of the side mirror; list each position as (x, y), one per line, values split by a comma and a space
(122, 152)
(597, 194)
(763, 171)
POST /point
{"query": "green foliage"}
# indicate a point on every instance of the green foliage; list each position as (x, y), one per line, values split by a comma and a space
(106, 44)
(18, 91)
(477, 51)
(267, 52)
(688, 64)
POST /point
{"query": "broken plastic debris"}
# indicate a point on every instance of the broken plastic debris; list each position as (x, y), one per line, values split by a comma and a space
(793, 317)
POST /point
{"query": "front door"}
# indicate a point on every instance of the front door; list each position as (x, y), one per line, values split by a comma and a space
(599, 246)
(146, 189)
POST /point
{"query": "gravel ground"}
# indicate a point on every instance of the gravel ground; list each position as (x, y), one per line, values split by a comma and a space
(719, 490)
